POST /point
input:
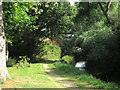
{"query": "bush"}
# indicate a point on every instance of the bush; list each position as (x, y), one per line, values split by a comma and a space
(101, 50)
(78, 56)
(23, 62)
(10, 62)
(48, 51)
(68, 59)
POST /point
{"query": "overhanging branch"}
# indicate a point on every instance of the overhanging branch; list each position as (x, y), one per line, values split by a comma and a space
(105, 13)
(108, 5)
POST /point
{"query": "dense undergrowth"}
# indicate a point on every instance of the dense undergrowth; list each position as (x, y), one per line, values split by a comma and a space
(83, 76)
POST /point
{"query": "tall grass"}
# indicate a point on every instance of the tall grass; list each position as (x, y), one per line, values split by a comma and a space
(84, 76)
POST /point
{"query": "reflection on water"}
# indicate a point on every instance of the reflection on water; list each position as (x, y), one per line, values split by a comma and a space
(81, 65)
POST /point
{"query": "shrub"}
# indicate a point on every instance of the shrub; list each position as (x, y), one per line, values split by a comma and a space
(68, 59)
(101, 50)
(23, 62)
(48, 51)
(51, 51)
(10, 62)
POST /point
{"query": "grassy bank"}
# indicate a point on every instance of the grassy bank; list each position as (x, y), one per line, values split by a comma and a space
(80, 78)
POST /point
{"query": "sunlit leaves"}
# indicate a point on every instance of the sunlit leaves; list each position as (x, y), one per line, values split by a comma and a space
(17, 19)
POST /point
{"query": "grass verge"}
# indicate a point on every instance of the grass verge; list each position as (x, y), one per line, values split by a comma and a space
(80, 78)
(30, 77)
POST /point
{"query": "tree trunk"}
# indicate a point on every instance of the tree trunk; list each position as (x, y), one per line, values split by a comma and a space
(3, 69)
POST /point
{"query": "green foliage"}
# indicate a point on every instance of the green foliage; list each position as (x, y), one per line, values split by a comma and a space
(19, 27)
(10, 62)
(68, 59)
(23, 62)
(97, 49)
(48, 51)
(24, 23)
(83, 76)
(67, 47)
(57, 18)
(2, 82)
(98, 39)
(114, 14)
(78, 55)
(29, 16)
(67, 68)
(17, 20)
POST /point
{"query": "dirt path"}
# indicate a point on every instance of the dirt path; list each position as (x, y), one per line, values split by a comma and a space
(66, 83)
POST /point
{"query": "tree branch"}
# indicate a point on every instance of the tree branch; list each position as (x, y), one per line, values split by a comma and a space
(108, 6)
(105, 13)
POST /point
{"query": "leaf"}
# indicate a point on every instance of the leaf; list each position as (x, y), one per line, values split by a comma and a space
(41, 10)
(47, 6)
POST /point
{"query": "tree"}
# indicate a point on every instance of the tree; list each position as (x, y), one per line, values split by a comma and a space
(3, 69)
(101, 38)
(19, 28)
(25, 23)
